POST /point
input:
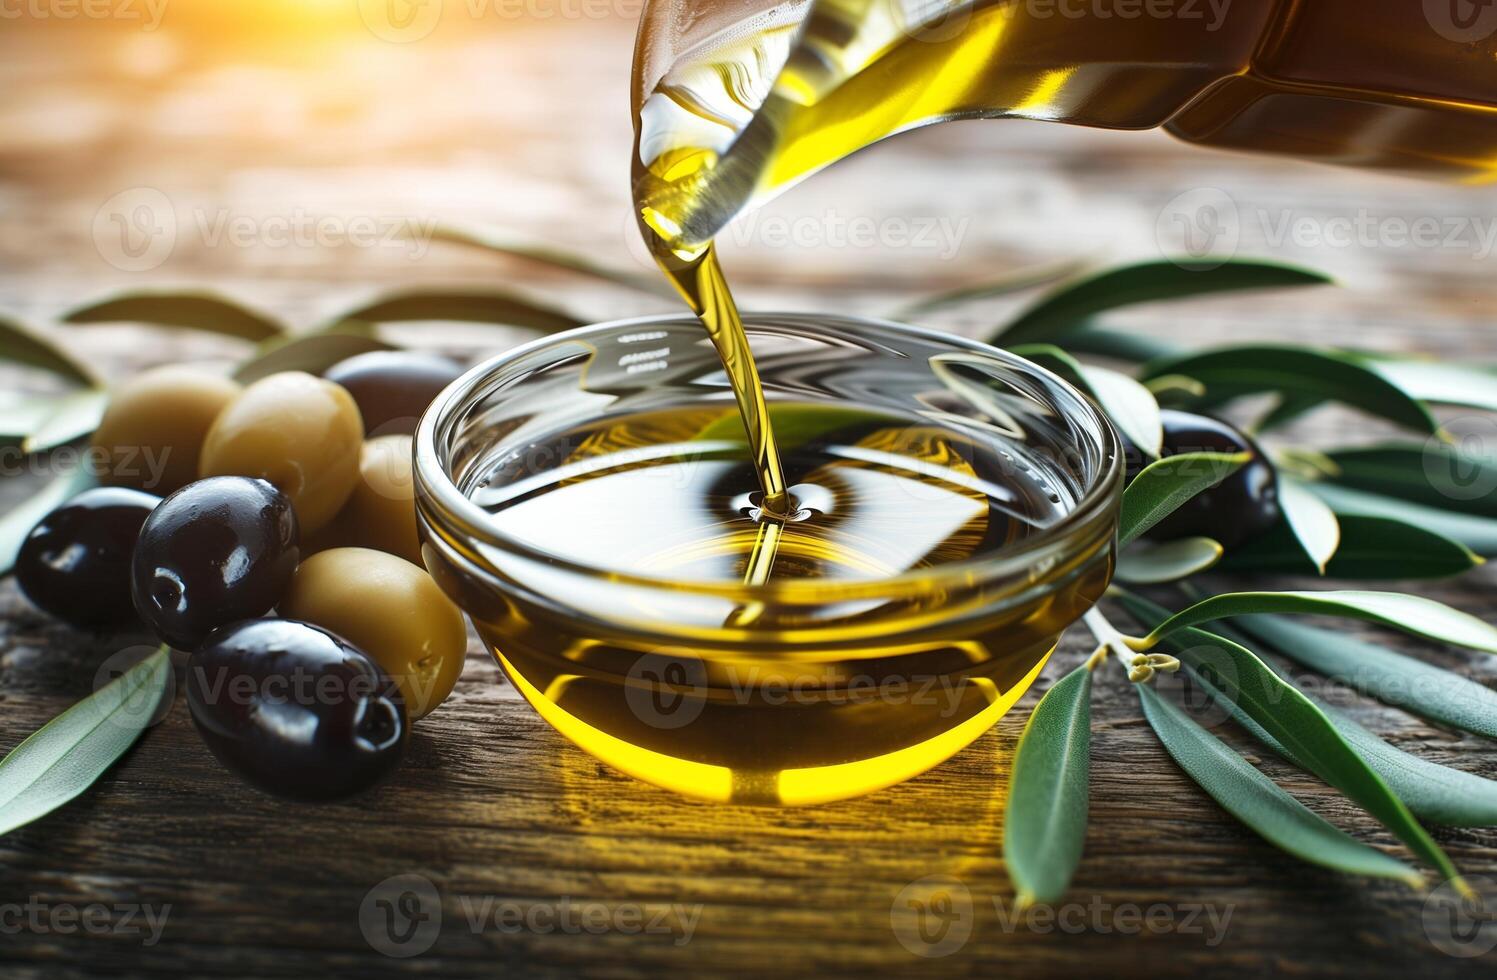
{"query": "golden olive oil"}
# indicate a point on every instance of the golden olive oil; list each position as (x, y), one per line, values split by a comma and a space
(778, 700)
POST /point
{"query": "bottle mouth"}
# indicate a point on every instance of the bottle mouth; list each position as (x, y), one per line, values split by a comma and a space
(444, 448)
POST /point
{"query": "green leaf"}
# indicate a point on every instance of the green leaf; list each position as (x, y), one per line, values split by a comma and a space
(1129, 404)
(1232, 372)
(1429, 473)
(1045, 825)
(464, 307)
(1433, 792)
(1372, 548)
(1118, 345)
(1313, 523)
(1302, 728)
(1393, 678)
(313, 353)
(1479, 534)
(75, 416)
(17, 522)
(1290, 406)
(1164, 486)
(64, 757)
(1168, 562)
(1409, 613)
(1015, 282)
(1072, 305)
(203, 311)
(504, 243)
(1441, 383)
(24, 346)
(794, 425)
(1258, 802)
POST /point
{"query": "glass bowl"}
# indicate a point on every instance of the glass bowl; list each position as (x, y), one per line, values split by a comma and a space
(803, 689)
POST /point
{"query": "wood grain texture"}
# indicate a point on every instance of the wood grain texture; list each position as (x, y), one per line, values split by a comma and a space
(491, 804)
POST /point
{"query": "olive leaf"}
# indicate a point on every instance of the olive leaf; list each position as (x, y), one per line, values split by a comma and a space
(1129, 404)
(16, 523)
(1478, 534)
(1393, 678)
(1409, 613)
(313, 352)
(794, 425)
(21, 415)
(65, 756)
(503, 243)
(1258, 802)
(464, 307)
(1168, 562)
(1304, 730)
(1438, 382)
(1430, 473)
(1313, 523)
(193, 310)
(24, 346)
(1073, 304)
(1289, 406)
(1232, 372)
(1015, 282)
(1371, 548)
(75, 416)
(1433, 792)
(1045, 824)
(1164, 486)
(1118, 344)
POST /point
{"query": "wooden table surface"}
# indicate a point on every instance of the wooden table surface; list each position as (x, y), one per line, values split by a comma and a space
(523, 125)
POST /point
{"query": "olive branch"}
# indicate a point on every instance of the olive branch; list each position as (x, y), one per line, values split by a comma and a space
(1396, 510)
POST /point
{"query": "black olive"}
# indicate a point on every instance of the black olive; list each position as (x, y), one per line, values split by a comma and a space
(75, 564)
(1235, 511)
(216, 551)
(294, 709)
(393, 388)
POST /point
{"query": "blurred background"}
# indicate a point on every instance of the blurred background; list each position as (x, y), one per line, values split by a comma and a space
(294, 155)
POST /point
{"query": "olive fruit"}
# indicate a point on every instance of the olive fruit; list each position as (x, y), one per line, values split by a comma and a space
(381, 511)
(75, 564)
(295, 710)
(391, 610)
(301, 433)
(152, 432)
(216, 551)
(1236, 510)
(393, 388)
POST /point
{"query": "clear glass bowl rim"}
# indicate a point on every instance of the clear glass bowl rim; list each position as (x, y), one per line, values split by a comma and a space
(1099, 502)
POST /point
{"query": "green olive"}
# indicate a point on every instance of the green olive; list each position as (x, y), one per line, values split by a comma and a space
(390, 609)
(381, 511)
(300, 433)
(152, 433)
